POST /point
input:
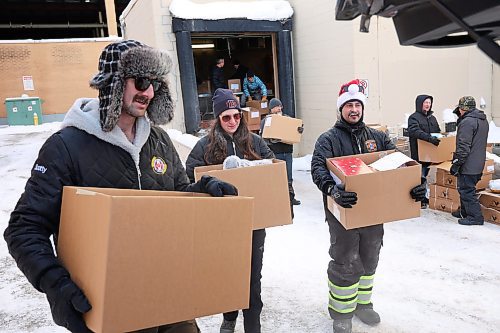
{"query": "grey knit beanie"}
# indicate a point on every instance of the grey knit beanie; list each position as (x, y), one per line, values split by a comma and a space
(274, 103)
(130, 59)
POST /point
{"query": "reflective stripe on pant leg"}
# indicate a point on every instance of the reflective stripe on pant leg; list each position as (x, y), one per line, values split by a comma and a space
(365, 289)
(343, 299)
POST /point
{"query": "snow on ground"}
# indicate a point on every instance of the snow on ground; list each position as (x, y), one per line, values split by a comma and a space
(434, 275)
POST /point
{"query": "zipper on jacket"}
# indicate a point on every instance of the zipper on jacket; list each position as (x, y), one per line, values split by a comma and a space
(234, 147)
(139, 176)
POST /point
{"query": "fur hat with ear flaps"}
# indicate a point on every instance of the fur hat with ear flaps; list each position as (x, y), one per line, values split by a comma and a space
(131, 59)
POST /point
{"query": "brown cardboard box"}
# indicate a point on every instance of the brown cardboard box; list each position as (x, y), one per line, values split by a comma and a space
(491, 215)
(442, 192)
(261, 106)
(489, 199)
(234, 85)
(427, 152)
(489, 148)
(444, 205)
(252, 116)
(383, 196)
(440, 174)
(268, 185)
(146, 258)
(378, 127)
(284, 128)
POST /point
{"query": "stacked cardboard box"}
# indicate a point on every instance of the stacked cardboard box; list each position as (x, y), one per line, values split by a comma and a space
(443, 189)
(490, 206)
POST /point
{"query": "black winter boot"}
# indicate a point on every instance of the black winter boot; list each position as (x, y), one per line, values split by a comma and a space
(227, 326)
(342, 325)
(367, 316)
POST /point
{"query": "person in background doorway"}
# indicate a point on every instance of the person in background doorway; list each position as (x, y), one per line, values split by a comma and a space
(240, 71)
(253, 89)
(421, 124)
(469, 158)
(217, 75)
(229, 135)
(110, 141)
(282, 151)
(354, 253)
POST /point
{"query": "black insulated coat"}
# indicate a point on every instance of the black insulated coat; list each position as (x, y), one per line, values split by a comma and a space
(420, 125)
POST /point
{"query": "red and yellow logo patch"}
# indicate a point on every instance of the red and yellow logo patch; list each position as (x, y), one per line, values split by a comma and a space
(158, 165)
(371, 145)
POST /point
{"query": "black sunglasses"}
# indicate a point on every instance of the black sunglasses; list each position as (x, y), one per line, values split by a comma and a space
(142, 83)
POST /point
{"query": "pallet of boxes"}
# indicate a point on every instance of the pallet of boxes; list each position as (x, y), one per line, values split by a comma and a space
(444, 194)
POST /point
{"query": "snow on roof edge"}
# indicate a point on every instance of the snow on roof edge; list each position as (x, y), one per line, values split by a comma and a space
(269, 10)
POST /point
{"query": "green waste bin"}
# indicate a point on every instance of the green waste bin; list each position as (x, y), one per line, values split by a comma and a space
(22, 110)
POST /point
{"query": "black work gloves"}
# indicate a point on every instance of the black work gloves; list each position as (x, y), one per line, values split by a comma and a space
(455, 169)
(418, 192)
(434, 141)
(67, 301)
(343, 198)
(213, 186)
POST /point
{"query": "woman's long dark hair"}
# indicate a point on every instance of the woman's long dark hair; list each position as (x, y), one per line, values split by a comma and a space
(217, 144)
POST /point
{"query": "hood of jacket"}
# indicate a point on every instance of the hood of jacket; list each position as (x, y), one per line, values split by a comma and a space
(419, 101)
(474, 113)
(84, 115)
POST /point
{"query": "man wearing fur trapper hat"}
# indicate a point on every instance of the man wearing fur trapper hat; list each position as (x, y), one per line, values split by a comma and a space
(110, 141)
(354, 252)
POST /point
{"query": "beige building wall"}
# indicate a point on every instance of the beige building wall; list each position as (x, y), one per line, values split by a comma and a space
(328, 53)
(151, 22)
(61, 71)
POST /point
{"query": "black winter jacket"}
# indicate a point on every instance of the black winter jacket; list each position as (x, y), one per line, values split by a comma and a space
(218, 80)
(197, 156)
(420, 125)
(472, 136)
(75, 157)
(343, 140)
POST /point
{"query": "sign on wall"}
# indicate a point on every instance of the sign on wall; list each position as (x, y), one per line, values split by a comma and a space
(28, 83)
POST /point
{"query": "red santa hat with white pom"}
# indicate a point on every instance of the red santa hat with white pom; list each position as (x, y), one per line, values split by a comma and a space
(351, 91)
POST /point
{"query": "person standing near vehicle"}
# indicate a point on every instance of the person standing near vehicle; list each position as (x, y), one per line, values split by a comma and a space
(354, 253)
(109, 142)
(469, 159)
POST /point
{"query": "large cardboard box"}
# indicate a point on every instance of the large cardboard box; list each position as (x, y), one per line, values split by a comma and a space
(267, 184)
(427, 152)
(442, 192)
(260, 105)
(252, 116)
(383, 196)
(491, 215)
(378, 127)
(489, 199)
(444, 205)
(287, 129)
(234, 85)
(146, 258)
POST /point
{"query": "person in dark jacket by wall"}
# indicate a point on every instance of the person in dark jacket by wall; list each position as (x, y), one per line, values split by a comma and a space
(354, 252)
(240, 72)
(217, 75)
(282, 151)
(229, 135)
(469, 158)
(105, 142)
(421, 124)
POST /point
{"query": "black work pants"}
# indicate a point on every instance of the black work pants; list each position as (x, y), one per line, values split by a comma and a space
(469, 203)
(251, 316)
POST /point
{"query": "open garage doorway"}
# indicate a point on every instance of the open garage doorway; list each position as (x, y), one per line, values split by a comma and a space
(256, 52)
(264, 46)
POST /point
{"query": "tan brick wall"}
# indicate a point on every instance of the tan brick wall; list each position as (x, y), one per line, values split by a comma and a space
(61, 72)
